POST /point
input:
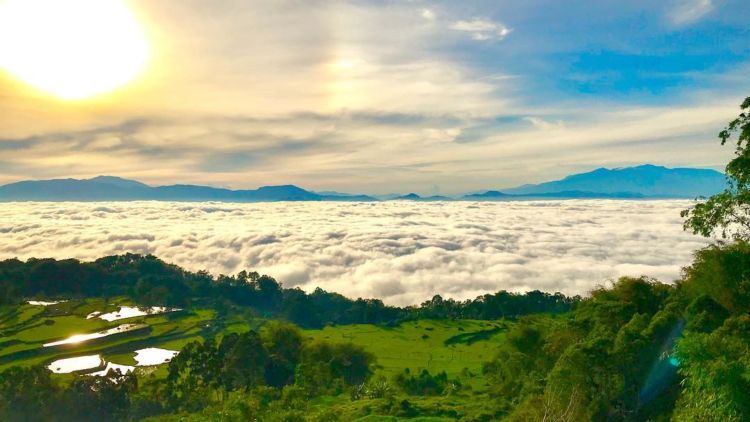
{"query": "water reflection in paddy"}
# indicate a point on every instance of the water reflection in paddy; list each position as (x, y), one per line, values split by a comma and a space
(129, 312)
(79, 338)
(80, 363)
(154, 356)
(43, 303)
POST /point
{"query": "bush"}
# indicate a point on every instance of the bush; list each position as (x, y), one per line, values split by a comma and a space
(424, 384)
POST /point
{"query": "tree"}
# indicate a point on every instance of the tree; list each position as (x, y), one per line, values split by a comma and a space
(329, 367)
(728, 213)
(284, 344)
(27, 394)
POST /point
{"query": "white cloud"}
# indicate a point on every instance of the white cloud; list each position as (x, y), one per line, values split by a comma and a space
(401, 252)
(428, 14)
(688, 11)
(482, 29)
(543, 124)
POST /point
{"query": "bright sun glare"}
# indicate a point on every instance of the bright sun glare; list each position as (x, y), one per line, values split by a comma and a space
(72, 49)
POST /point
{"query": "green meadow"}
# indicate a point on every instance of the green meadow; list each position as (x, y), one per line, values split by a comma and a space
(457, 347)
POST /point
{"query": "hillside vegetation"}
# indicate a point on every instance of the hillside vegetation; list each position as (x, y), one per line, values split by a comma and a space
(640, 350)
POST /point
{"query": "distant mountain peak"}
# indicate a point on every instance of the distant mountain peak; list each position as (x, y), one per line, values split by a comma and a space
(648, 180)
(490, 194)
(112, 188)
(118, 181)
(409, 197)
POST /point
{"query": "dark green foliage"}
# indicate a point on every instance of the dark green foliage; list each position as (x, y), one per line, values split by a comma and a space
(425, 384)
(496, 306)
(597, 364)
(30, 394)
(640, 350)
(238, 362)
(716, 369)
(705, 314)
(278, 358)
(25, 394)
(331, 368)
(728, 212)
(473, 337)
(526, 339)
(284, 345)
(723, 274)
(98, 398)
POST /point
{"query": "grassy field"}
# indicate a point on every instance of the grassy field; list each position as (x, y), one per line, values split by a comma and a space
(457, 347)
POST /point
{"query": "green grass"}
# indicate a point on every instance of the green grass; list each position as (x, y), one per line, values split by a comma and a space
(12, 316)
(425, 344)
(60, 327)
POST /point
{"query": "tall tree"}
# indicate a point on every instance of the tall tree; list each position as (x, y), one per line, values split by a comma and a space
(728, 213)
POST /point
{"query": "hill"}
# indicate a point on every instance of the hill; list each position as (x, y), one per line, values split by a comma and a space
(109, 188)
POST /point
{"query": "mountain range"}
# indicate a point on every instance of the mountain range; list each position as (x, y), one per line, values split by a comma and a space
(646, 181)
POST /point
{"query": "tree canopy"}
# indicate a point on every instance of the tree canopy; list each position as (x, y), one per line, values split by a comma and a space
(728, 213)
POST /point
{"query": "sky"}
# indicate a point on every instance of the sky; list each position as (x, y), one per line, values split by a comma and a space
(433, 97)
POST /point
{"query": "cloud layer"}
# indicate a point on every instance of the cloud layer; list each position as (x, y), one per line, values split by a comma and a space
(399, 251)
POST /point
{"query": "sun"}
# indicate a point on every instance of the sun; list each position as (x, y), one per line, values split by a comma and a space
(72, 49)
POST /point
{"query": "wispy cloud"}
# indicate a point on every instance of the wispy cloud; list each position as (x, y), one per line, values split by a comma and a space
(482, 29)
(685, 12)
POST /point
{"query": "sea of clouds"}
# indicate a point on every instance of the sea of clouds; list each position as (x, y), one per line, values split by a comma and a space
(401, 252)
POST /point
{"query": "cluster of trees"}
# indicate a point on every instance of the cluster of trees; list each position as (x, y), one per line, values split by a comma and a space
(150, 281)
(277, 358)
(31, 394)
(425, 384)
(641, 350)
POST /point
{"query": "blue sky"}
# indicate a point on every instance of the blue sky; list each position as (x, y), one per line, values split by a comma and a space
(385, 96)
